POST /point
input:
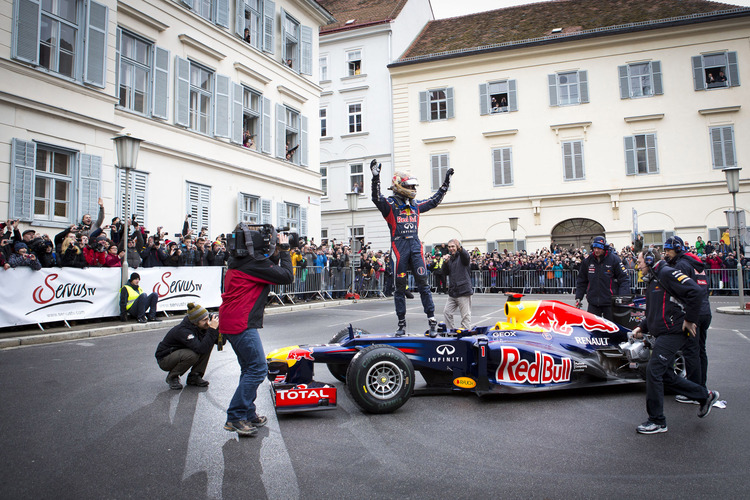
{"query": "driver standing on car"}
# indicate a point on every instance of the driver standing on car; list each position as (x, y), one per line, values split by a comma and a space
(402, 212)
(246, 286)
(672, 309)
(597, 276)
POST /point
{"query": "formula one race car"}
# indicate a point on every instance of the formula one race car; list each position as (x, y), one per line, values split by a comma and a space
(544, 345)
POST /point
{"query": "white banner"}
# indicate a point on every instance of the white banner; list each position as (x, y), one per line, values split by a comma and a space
(57, 294)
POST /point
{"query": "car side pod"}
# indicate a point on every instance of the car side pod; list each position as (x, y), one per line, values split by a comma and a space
(294, 398)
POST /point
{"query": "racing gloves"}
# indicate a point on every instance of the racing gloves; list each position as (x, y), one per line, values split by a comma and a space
(375, 168)
(447, 181)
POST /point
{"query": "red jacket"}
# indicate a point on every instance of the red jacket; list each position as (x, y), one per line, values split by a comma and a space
(93, 257)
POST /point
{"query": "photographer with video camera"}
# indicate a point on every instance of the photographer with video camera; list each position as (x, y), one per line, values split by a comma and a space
(259, 258)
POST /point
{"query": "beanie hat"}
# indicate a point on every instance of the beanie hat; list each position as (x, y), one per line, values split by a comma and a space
(196, 313)
(134, 276)
(19, 245)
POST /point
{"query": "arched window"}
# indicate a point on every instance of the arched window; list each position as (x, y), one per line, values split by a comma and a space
(576, 232)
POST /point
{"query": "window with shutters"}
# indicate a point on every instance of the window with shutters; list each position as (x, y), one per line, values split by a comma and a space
(573, 160)
(498, 97)
(439, 165)
(568, 88)
(640, 154)
(354, 62)
(135, 203)
(134, 72)
(498, 92)
(323, 122)
(356, 178)
(640, 80)
(290, 217)
(354, 117)
(292, 135)
(254, 18)
(215, 11)
(502, 167)
(201, 94)
(323, 68)
(324, 181)
(53, 185)
(722, 146)
(252, 103)
(291, 41)
(65, 37)
(438, 104)
(249, 208)
(715, 71)
(198, 206)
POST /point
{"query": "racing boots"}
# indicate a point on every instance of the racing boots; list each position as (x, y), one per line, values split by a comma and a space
(401, 331)
(433, 327)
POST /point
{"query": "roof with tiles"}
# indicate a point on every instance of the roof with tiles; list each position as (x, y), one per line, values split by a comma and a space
(352, 14)
(557, 18)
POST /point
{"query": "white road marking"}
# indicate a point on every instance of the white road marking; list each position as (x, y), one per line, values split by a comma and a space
(279, 479)
(741, 335)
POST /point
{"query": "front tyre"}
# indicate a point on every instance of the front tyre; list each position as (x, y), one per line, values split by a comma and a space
(380, 379)
(338, 370)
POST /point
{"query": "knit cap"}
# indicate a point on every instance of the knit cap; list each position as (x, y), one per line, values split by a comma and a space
(196, 313)
(19, 245)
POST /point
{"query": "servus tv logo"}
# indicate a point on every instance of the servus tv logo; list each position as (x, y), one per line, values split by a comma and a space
(173, 289)
(52, 294)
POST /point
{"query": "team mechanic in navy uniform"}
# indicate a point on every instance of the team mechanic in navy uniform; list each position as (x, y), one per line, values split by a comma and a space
(696, 360)
(596, 275)
(402, 212)
(672, 308)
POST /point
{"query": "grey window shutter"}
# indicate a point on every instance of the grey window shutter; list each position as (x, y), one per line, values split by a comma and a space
(89, 184)
(450, 110)
(667, 235)
(117, 63)
(23, 158)
(138, 192)
(306, 40)
(484, 99)
(568, 160)
(507, 166)
(653, 165)
(242, 214)
(269, 15)
(728, 139)
(265, 211)
(699, 79)
(630, 168)
(583, 82)
(717, 148)
(140, 207)
(281, 214)
(491, 246)
(714, 234)
(303, 221)
(222, 13)
(280, 131)
(237, 113)
(435, 171)
(265, 145)
(188, 3)
(622, 72)
(303, 141)
(96, 44)
(552, 80)
(26, 31)
(578, 153)
(223, 106)
(734, 71)
(512, 96)
(182, 92)
(161, 83)
(239, 18)
(521, 245)
(424, 107)
(656, 76)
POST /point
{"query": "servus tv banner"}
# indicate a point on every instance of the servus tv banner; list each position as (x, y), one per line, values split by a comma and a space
(57, 294)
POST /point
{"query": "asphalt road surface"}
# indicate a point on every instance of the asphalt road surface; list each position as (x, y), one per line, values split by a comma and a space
(95, 419)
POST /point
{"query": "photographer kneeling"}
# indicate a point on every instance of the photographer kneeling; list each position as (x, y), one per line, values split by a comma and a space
(188, 346)
(258, 260)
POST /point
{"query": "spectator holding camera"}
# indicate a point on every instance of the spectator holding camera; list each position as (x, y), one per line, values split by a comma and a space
(22, 257)
(153, 255)
(70, 253)
(246, 286)
(87, 225)
(174, 255)
(217, 256)
(188, 346)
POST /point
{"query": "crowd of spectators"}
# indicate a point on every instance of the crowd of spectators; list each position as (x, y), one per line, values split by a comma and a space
(325, 266)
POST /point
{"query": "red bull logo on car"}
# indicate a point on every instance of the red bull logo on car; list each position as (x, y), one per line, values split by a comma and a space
(299, 353)
(543, 370)
(561, 318)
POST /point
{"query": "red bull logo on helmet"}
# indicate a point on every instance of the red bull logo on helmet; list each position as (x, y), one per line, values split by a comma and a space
(299, 353)
(561, 318)
(543, 370)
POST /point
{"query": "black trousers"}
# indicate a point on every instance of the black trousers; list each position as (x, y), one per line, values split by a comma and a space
(142, 303)
(660, 373)
(603, 311)
(182, 360)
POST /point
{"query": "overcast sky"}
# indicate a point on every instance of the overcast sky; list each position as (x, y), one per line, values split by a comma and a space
(452, 8)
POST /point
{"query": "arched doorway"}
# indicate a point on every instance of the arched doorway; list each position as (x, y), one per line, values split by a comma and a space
(576, 232)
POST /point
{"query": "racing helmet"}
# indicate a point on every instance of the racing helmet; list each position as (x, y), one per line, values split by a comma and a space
(599, 242)
(404, 185)
(674, 243)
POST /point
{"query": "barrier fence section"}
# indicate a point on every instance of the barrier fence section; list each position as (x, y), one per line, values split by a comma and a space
(62, 294)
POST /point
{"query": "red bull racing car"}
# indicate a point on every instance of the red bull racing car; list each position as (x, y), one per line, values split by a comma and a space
(543, 345)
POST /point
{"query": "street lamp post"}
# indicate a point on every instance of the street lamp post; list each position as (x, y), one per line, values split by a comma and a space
(126, 149)
(733, 185)
(352, 200)
(513, 227)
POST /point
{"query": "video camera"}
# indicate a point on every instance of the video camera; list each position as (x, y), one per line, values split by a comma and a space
(257, 239)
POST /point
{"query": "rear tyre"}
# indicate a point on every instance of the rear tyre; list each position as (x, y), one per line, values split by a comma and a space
(380, 379)
(338, 370)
